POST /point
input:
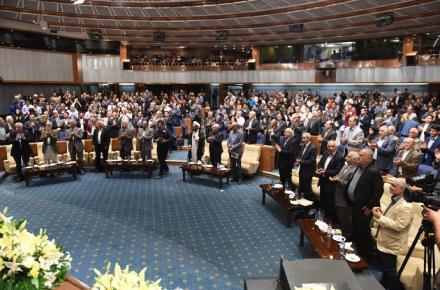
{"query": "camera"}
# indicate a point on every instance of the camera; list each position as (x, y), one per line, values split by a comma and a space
(429, 195)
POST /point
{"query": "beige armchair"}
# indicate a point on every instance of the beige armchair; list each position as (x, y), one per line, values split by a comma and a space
(38, 159)
(113, 151)
(250, 161)
(225, 154)
(9, 162)
(136, 152)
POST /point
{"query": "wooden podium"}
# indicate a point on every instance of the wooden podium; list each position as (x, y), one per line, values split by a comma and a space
(267, 158)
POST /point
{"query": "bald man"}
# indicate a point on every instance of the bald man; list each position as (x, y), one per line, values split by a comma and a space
(363, 193)
(329, 165)
(391, 234)
(408, 159)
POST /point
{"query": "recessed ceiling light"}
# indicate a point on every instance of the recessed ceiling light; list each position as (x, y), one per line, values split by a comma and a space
(78, 2)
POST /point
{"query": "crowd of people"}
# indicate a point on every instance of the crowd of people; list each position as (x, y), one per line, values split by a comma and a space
(177, 60)
(361, 136)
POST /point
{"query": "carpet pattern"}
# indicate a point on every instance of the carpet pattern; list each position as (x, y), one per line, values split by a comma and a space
(190, 234)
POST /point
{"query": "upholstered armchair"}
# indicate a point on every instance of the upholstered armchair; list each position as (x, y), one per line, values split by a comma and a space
(9, 162)
(250, 161)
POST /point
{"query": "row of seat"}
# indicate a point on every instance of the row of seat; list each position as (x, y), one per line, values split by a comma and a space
(250, 160)
(63, 154)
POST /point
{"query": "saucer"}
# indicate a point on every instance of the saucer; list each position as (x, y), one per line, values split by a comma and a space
(352, 258)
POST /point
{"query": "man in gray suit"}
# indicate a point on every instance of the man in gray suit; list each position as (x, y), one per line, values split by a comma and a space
(145, 139)
(353, 136)
(343, 209)
(235, 148)
(126, 138)
(384, 149)
(76, 146)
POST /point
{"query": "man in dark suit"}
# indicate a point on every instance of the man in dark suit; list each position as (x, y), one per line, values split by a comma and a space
(432, 143)
(326, 136)
(126, 138)
(76, 146)
(329, 166)
(101, 141)
(315, 123)
(384, 149)
(286, 151)
(215, 145)
(21, 150)
(251, 128)
(162, 137)
(306, 160)
(364, 121)
(364, 192)
(235, 147)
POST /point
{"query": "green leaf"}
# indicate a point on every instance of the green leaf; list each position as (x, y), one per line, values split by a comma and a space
(35, 283)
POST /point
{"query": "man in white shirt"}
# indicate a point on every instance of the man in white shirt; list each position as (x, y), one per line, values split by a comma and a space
(353, 136)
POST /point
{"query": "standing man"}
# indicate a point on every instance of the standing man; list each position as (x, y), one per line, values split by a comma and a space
(286, 153)
(101, 141)
(235, 148)
(353, 136)
(432, 143)
(126, 138)
(76, 146)
(306, 160)
(162, 138)
(215, 145)
(329, 165)
(384, 149)
(327, 135)
(342, 202)
(364, 192)
(145, 138)
(252, 126)
(394, 223)
(21, 150)
(407, 160)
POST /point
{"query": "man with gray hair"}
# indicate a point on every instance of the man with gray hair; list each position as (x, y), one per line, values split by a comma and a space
(126, 138)
(235, 148)
(364, 191)
(101, 142)
(286, 152)
(215, 145)
(384, 148)
(306, 160)
(76, 146)
(342, 203)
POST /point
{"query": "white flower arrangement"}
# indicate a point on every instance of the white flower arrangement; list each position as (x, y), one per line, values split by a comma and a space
(123, 279)
(29, 261)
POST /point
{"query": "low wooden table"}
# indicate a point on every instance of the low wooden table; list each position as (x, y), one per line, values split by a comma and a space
(111, 164)
(323, 245)
(70, 167)
(283, 200)
(199, 169)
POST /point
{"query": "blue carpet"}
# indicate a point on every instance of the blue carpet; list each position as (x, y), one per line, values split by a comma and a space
(190, 234)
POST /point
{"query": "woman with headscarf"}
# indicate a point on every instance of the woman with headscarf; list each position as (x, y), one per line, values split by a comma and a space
(197, 142)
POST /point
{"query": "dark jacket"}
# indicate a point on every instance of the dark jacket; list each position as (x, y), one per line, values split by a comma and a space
(308, 160)
(105, 138)
(287, 153)
(369, 188)
(335, 165)
(20, 149)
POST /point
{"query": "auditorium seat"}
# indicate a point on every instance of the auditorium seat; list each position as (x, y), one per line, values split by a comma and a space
(250, 161)
(113, 151)
(225, 154)
(9, 163)
(136, 152)
(39, 156)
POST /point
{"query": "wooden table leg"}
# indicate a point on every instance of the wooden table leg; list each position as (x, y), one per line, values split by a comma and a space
(106, 171)
(301, 238)
(263, 197)
(221, 182)
(183, 172)
(289, 219)
(27, 180)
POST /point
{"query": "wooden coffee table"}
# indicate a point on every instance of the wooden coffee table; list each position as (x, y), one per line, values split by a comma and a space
(198, 169)
(70, 167)
(283, 200)
(111, 164)
(323, 245)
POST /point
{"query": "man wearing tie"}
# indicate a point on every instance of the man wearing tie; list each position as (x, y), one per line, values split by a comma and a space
(364, 192)
(76, 146)
(353, 136)
(251, 128)
(286, 153)
(235, 147)
(101, 141)
(215, 145)
(432, 143)
(145, 138)
(384, 148)
(307, 166)
(126, 138)
(20, 150)
(162, 138)
(329, 134)
(329, 165)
